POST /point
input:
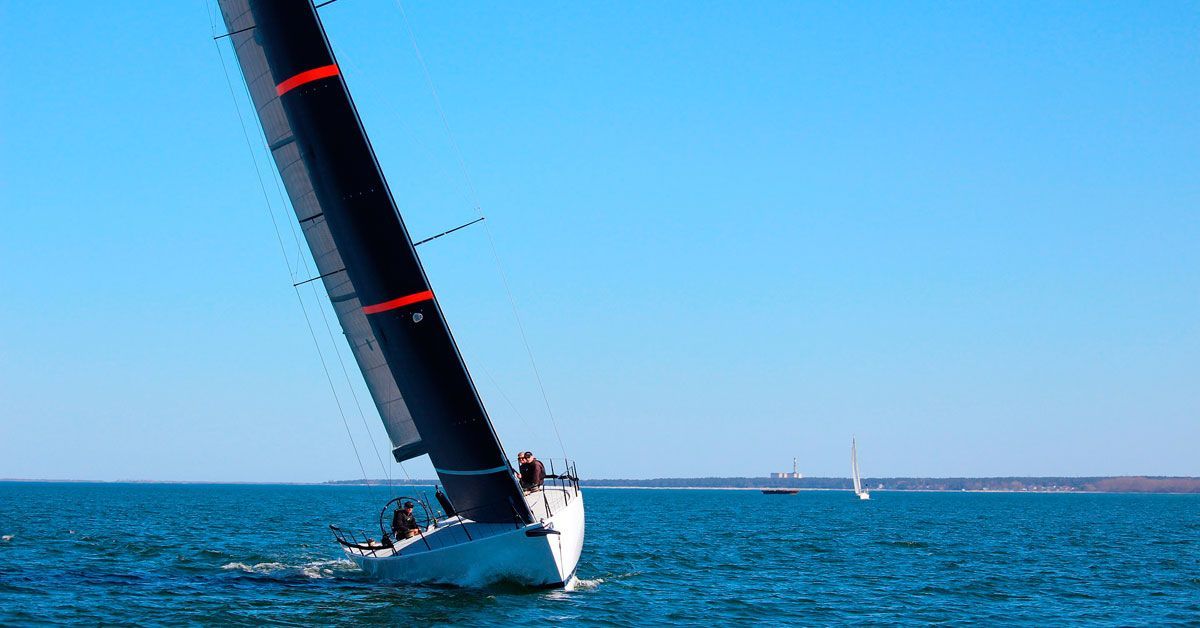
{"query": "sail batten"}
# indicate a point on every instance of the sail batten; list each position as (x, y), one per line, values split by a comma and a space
(388, 310)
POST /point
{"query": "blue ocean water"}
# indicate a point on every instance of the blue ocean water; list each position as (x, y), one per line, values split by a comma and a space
(159, 553)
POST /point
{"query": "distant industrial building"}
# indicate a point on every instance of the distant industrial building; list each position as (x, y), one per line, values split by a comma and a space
(781, 475)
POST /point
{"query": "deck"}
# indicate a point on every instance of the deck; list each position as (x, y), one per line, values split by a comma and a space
(450, 531)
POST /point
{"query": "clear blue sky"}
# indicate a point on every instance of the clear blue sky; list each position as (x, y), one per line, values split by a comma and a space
(967, 233)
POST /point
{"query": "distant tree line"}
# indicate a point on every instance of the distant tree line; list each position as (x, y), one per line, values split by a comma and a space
(1130, 484)
(1122, 484)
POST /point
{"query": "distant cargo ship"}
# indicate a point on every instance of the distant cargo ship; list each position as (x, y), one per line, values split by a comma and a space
(780, 491)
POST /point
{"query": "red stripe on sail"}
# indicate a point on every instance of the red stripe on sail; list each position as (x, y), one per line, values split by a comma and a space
(401, 302)
(308, 76)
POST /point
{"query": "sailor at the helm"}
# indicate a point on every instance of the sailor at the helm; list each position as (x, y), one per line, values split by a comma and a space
(404, 524)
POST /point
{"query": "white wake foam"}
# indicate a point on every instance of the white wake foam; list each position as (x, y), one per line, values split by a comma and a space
(325, 568)
(256, 568)
(315, 569)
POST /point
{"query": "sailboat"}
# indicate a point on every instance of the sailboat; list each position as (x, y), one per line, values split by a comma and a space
(489, 528)
(858, 489)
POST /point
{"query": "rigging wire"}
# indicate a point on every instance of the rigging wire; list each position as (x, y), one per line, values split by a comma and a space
(320, 299)
(346, 62)
(342, 363)
(531, 432)
(283, 248)
(478, 208)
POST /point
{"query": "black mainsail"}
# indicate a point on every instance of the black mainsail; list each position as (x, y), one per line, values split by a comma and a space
(365, 257)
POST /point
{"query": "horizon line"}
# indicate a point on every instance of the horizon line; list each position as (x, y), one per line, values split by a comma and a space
(430, 481)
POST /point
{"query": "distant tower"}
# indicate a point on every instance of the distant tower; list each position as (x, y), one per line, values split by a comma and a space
(795, 474)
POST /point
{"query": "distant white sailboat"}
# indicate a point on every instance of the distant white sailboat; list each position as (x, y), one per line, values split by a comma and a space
(858, 489)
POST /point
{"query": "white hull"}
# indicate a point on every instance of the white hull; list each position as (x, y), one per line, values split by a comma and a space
(864, 495)
(542, 554)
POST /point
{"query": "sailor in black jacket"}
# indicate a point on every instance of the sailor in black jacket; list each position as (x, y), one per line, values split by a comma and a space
(404, 524)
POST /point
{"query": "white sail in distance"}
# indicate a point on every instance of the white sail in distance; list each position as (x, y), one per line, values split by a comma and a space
(856, 476)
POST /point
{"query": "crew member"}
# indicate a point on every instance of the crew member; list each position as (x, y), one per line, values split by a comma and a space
(533, 472)
(521, 468)
(404, 524)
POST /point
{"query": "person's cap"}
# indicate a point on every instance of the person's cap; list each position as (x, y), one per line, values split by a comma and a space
(408, 504)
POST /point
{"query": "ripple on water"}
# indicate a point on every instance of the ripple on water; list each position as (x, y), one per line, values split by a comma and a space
(202, 554)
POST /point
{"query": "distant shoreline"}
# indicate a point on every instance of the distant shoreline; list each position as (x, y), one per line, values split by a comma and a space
(883, 490)
(1087, 484)
(1008, 484)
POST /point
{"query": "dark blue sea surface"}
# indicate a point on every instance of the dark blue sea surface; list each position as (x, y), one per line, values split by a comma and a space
(171, 554)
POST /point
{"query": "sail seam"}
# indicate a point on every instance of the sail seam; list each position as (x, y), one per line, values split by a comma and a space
(307, 76)
(426, 295)
(474, 472)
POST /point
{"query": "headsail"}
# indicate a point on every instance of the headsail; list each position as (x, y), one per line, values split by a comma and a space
(369, 265)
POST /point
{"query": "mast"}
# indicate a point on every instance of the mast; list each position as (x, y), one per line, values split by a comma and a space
(366, 259)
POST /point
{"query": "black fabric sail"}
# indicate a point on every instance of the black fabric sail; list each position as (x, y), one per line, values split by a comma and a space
(367, 261)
